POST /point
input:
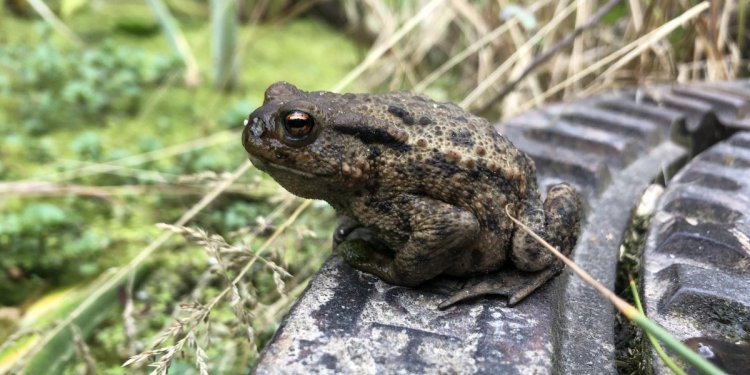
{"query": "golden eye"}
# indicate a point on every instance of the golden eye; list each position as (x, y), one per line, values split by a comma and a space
(298, 124)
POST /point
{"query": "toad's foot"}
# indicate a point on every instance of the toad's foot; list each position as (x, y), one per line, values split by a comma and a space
(514, 284)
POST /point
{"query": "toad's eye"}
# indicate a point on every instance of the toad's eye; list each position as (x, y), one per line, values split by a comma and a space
(298, 124)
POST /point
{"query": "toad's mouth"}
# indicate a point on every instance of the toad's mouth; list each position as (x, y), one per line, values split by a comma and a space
(270, 167)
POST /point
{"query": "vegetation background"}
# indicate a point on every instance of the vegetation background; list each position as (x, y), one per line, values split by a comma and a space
(119, 115)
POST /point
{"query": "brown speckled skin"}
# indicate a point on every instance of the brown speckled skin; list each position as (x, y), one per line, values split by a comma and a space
(424, 183)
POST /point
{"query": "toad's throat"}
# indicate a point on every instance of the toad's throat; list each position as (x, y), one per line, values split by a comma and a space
(270, 167)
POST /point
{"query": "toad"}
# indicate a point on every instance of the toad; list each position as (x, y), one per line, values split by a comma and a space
(420, 187)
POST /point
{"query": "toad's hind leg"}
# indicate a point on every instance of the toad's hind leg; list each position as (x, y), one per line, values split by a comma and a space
(558, 223)
(438, 234)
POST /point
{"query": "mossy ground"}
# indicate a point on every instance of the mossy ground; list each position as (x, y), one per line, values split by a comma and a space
(120, 221)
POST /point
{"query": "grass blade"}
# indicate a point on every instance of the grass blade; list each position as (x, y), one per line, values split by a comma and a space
(224, 45)
(177, 40)
(43, 10)
(657, 347)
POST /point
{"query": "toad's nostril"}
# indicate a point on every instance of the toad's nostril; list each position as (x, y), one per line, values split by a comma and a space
(257, 128)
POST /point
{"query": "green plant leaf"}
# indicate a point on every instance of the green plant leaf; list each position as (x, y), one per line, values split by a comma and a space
(70, 7)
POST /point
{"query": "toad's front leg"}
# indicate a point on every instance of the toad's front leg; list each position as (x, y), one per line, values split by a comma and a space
(558, 222)
(425, 237)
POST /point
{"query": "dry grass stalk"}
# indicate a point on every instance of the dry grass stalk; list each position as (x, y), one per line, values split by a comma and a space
(583, 12)
(128, 321)
(636, 15)
(622, 55)
(501, 70)
(215, 246)
(120, 276)
(548, 53)
(381, 49)
(474, 47)
(83, 169)
(198, 314)
(82, 351)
